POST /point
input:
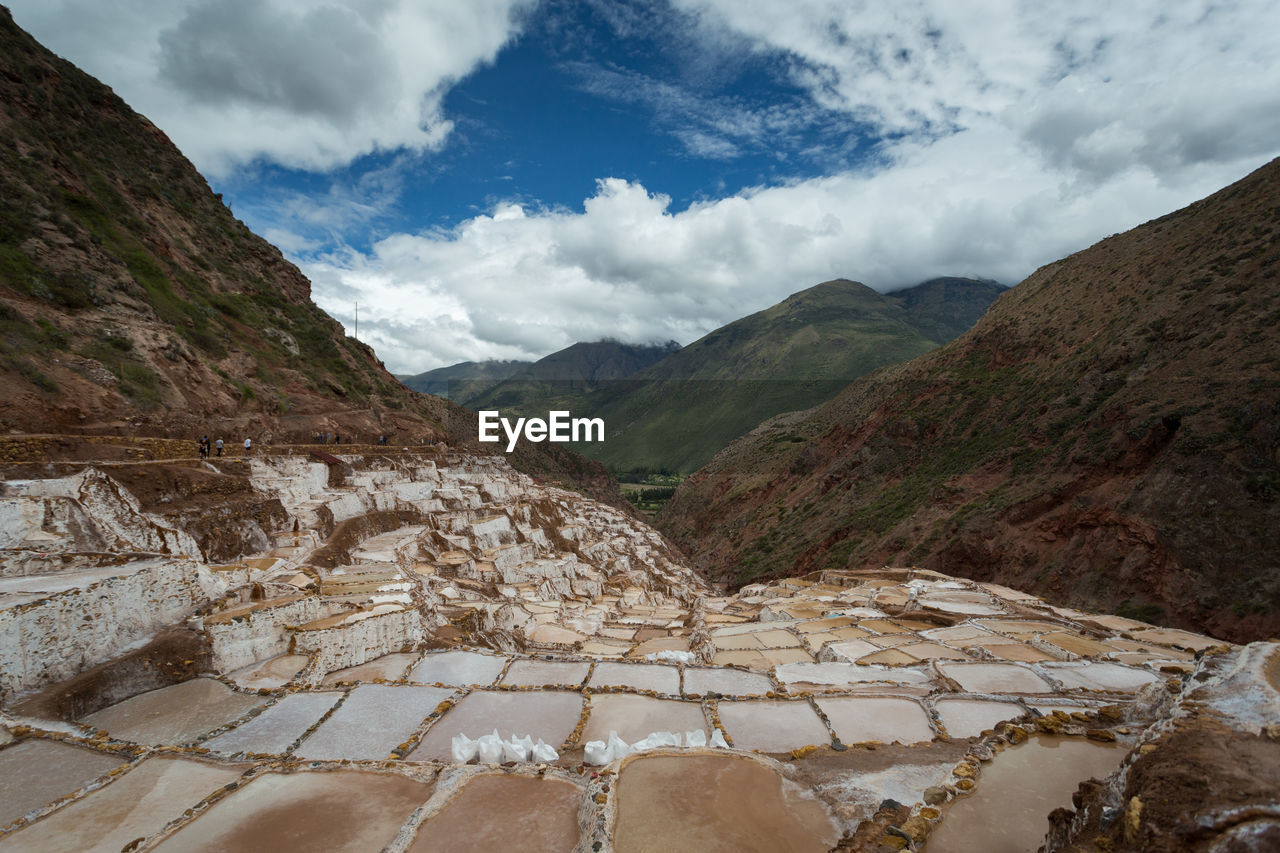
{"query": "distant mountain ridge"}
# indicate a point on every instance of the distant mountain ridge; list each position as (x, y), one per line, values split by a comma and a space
(1108, 434)
(463, 378)
(675, 414)
(470, 383)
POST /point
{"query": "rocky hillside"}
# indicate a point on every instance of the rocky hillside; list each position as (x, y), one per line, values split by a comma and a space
(132, 301)
(1108, 434)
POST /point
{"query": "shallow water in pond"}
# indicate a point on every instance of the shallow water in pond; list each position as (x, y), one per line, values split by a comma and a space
(550, 715)
(36, 772)
(335, 811)
(509, 813)
(884, 719)
(773, 725)
(1009, 810)
(969, 717)
(731, 682)
(275, 729)
(374, 720)
(634, 717)
(716, 803)
(176, 714)
(138, 804)
(458, 667)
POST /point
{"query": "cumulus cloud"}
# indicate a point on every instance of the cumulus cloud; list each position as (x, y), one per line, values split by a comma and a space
(1094, 86)
(521, 283)
(1010, 133)
(310, 85)
(1014, 134)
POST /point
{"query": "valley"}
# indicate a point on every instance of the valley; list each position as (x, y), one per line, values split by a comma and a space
(951, 567)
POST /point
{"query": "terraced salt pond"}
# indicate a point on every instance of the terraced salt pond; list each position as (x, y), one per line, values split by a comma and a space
(1009, 813)
(780, 717)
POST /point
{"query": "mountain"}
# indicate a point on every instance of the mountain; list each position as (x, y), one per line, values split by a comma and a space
(463, 379)
(132, 302)
(1106, 434)
(560, 378)
(676, 414)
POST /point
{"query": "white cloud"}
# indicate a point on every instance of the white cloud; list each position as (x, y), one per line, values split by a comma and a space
(310, 85)
(1095, 86)
(1014, 133)
(520, 284)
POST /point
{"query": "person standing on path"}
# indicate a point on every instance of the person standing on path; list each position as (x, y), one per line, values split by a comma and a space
(218, 444)
(248, 445)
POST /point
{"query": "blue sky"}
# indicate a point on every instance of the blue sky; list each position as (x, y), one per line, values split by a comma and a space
(501, 178)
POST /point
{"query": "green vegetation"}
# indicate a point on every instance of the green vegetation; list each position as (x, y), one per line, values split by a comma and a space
(678, 413)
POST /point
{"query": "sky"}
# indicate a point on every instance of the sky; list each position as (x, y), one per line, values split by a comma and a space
(503, 178)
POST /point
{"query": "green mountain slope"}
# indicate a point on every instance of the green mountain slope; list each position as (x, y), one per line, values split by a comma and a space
(1107, 433)
(464, 379)
(676, 414)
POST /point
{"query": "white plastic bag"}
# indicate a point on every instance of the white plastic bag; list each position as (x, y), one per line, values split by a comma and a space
(646, 743)
(542, 753)
(464, 749)
(596, 752)
(617, 747)
(698, 738)
(516, 749)
(717, 740)
(489, 748)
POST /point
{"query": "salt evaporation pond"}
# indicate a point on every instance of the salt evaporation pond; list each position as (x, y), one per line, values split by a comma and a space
(458, 667)
(137, 805)
(638, 676)
(38, 772)
(519, 814)
(969, 717)
(857, 719)
(533, 673)
(550, 715)
(388, 667)
(337, 812)
(1009, 810)
(727, 682)
(177, 714)
(635, 717)
(374, 720)
(275, 729)
(772, 725)
(715, 803)
(995, 678)
(270, 674)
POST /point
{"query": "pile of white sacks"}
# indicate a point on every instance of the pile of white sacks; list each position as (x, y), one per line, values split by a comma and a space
(492, 749)
(601, 752)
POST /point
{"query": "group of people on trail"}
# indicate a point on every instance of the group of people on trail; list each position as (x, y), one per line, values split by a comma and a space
(205, 446)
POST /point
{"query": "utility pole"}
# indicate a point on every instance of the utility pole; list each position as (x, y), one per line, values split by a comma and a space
(357, 334)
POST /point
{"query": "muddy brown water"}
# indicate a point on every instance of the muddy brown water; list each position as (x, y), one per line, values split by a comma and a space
(716, 803)
(1009, 810)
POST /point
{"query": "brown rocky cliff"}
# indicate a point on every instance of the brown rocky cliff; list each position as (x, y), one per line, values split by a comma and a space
(132, 301)
(1108, 434)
